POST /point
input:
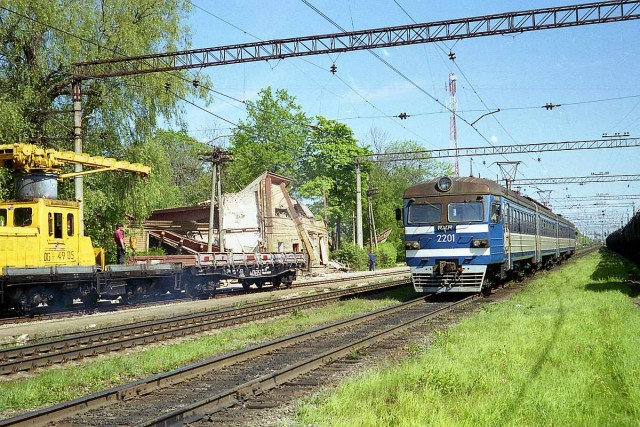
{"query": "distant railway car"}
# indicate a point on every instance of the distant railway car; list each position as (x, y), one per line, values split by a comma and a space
(465, 234)
(626, 240)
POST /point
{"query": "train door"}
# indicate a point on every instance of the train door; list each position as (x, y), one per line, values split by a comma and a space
(496, 230)
(507, 233)
(538, 238)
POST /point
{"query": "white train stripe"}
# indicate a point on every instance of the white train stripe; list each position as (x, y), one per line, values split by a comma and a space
(419, 230)
(460, 228)
(458, 252)
(472, 228)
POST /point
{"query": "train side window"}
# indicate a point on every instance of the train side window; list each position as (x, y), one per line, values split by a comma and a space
(3, 217)
(70, 225)
(50, 223)
(496, 212)
(22, 217)
(57, 225)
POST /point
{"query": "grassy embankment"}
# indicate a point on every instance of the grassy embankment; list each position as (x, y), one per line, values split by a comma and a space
(57, 385)
(564, 352)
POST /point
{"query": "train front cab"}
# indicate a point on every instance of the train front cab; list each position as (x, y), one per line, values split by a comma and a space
(451, 241)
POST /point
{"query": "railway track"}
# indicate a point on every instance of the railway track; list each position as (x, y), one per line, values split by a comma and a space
(196, 391)
(47, 313)
(76, 346)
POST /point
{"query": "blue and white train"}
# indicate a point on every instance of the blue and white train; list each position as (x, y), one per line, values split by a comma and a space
(466, 234)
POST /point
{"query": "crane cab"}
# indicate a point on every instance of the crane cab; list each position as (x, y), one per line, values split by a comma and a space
(42, 233)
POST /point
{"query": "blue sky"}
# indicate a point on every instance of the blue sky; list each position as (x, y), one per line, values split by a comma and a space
(516, 73)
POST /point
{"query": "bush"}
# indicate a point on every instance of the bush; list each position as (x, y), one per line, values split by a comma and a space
(386, 255)
(358, 258)
(351, 255)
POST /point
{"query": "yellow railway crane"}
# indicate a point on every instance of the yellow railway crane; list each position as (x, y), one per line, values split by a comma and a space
(40, 236)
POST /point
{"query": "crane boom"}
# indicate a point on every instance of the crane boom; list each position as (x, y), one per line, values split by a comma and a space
(30, 158)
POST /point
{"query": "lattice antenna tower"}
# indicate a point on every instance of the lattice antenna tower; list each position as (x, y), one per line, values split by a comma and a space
(453, 129)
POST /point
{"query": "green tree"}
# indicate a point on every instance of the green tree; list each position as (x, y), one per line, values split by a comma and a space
(328, 173)
(271, 139)
(39, 41)
(390, 179)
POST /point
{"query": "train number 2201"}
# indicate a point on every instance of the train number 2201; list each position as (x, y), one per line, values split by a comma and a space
(445, 238)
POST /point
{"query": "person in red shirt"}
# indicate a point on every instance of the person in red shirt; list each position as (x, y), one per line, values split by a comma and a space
(118, 236)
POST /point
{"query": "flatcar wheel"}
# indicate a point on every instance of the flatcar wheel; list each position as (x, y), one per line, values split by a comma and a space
(259, 283)
(246, 284)
(90, 299)
(194, 290)
(277, 282)
(62, 299)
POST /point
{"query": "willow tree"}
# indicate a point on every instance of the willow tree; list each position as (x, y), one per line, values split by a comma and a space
(38, 43)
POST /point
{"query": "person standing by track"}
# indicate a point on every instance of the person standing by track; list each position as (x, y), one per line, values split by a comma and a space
(118, 236)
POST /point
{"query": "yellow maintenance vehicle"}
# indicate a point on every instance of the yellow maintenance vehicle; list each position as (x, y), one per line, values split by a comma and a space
(44, 258)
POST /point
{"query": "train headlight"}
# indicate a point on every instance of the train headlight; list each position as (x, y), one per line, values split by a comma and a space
(411, 244)
(479, 243)
(444, 184)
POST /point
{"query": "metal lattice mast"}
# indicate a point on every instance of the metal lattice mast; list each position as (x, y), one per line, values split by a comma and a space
(430, 32)
(453, 130)
(509, 170)
(544, 195)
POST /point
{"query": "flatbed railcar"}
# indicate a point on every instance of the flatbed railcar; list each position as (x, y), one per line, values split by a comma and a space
(466, 234)
(45, 260)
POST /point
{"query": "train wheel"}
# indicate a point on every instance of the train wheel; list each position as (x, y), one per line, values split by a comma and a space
(90, 299)
(195, 291)
(62, 299)
(259, 283)
(246, 284)
(486, 287)
(277, 282)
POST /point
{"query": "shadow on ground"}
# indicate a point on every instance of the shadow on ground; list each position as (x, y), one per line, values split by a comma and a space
(614, 274)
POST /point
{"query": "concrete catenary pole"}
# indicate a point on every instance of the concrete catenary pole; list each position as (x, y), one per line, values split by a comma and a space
(360, 241)
(76, 95)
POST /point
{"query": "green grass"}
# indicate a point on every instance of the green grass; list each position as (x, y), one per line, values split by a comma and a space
(563, 352)
(68, 382)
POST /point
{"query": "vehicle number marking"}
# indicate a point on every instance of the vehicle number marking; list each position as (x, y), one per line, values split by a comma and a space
(446, 238)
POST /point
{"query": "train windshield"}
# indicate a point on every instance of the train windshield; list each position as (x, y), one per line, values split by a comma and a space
(424, 213)
(466, 212)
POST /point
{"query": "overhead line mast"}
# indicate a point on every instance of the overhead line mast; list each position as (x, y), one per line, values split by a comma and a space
(453, 129)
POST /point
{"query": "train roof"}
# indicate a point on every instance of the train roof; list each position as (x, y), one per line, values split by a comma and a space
(470, 185)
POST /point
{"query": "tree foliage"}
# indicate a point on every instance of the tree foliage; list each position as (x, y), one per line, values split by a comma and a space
(272, 138)
(328, 171)
(39, 42)
(390, 179)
